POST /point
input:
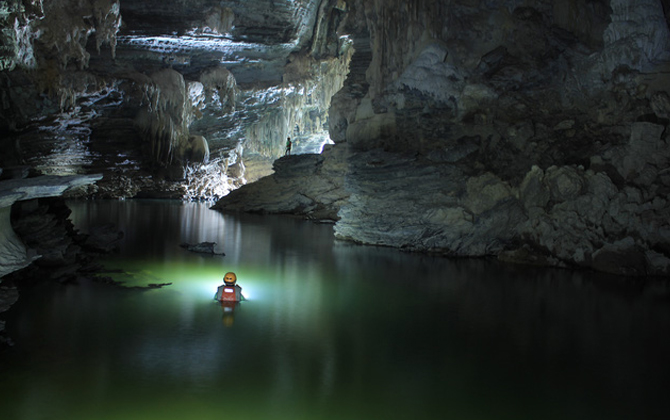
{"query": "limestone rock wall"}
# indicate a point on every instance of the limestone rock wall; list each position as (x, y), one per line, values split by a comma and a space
(309, 185)
(537, 133)
(17, 33)
(166, 116)
(171, 99)
(13, 252)
(302, 104)
(38, 41)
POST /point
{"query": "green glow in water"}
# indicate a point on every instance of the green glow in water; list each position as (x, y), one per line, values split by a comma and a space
(329, 331)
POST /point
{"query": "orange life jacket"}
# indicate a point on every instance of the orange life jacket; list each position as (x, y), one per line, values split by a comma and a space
(226, 293)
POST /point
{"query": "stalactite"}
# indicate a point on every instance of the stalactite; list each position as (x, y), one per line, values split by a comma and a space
(304, 100)
(221, 87)
(64, 31)
(107, 15)
(170, 107)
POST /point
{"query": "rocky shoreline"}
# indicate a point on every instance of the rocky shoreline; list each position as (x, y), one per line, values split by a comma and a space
(564, 216)
(307, 185)
(37, 240)
(66, 255)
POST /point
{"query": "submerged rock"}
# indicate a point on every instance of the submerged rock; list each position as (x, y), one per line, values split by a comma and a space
(202, 248)
(104, 238)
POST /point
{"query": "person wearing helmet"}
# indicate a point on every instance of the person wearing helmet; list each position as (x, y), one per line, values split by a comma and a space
(229, 291)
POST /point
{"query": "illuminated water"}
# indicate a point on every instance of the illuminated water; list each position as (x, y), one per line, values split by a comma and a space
(330, 331)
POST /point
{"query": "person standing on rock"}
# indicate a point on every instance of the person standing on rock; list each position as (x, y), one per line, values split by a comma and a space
(288, 146)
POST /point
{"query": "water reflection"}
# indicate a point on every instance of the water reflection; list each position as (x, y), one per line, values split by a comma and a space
(330, 330)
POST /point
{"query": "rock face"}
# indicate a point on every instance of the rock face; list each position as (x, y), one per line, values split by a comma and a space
(536, 134)
(173, 101)
(540, 142)
(42, 235)
(532, 131)
(309, 185)
(409, 202)
(202, 248)
(13, 253)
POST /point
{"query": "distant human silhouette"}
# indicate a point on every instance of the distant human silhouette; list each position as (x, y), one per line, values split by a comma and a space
(288, 146)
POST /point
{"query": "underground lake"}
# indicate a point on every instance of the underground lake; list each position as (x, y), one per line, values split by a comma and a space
(329, 330)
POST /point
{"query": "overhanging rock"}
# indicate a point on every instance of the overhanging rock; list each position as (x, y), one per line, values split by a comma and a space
(13, 254)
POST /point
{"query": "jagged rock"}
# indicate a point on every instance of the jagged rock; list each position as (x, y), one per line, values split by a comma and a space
(210, 83)
(529, 256)
(43, 226)
(533, 191)
(404, 201)
(8, 297)
(307, 185)
(530, 173)
(13, 253)
(621, 257)
(202, 248)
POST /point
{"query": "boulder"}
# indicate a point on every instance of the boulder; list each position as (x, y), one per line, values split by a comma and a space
(202, 248)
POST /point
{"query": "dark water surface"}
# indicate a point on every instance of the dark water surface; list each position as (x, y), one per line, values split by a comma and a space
(330, 331)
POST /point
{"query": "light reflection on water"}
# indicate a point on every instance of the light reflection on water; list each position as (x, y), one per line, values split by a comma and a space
(330, 331)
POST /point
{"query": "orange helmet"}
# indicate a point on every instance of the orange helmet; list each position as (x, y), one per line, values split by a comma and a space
(230, 278)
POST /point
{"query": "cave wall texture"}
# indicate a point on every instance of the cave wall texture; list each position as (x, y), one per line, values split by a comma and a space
(167, 98)
(534, 131)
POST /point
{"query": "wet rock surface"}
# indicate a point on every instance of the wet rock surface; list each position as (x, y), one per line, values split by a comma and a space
(30, 231)
(307, 185)
(13, 253)
(202, 248)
